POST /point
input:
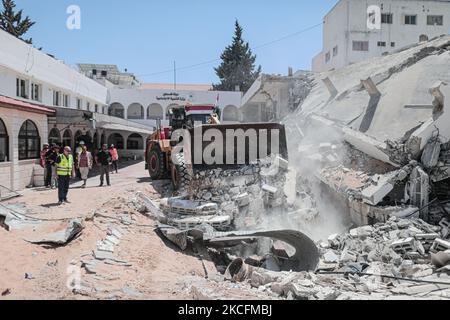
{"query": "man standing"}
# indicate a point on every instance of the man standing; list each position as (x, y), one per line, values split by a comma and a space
(50, 161)
(43, 164)
(104, 159)
(114, 158)
(84, 164)
(64, 170)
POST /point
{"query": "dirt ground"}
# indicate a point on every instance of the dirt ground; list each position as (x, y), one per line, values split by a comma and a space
(154, 269)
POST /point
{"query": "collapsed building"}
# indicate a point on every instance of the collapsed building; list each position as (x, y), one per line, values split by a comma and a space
(366, 188)
(377, 132)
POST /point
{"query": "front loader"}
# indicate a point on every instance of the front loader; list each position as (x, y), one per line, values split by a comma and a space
(207, 144)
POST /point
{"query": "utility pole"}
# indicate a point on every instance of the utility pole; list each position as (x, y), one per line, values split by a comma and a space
(174, 75)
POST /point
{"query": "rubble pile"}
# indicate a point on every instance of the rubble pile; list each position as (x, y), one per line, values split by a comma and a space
(399, 258)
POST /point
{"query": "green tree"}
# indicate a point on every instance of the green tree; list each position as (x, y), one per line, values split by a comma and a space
(238, 65)
(13, 23)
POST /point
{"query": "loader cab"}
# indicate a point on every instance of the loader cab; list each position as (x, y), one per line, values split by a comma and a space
(187, 116)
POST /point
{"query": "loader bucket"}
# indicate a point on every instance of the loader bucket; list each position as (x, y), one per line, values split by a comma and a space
(234, 144)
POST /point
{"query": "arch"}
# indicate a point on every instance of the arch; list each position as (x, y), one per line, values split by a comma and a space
(170, 107)
(230, 113)
(54, 137)
(95, 141)
(135, 142)
(116, 110)
(155, 111)
(29, 141)
(4, 142)
(78, 136)
(102, 139)
(67, 138)
(135, 111)
(423, 37)
(117, 140)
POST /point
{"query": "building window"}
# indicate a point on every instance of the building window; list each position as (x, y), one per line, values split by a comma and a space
(4, 142)
(66, 100)
(435, 20)
(104, 73)
(135, 142)
(36, 92)
(360, 45)
(80, 104)
(392, 44)
(94, 72)
(29, 141)
(88, 105)
(387, 18)
(96, 108)
(67, 138)
(335, 51)
(56, 98)
(381, 44)
(411, 19)
(54, 137)
(22, 88)
(327, 57)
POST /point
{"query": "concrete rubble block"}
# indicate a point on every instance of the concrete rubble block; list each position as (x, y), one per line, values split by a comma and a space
(445, 224)
(243, 199)
(282, 163)
(279, 249)
(430, 155)
(375, 193)
(330, 87)
(348, 256)
(261, 278)
(103, 255)
(62, 237)
(441, 259)
(440, 245)
(362, 232)
(404, 245)
(105, 246)
(330, 257)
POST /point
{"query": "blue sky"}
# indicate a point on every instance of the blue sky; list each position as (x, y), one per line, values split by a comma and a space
(146, 36)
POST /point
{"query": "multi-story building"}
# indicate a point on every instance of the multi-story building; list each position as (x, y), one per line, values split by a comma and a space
(396, 24)
(44, 100)
(150, 102)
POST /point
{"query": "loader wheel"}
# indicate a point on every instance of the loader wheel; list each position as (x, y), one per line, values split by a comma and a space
(156, 166)
(180, 175)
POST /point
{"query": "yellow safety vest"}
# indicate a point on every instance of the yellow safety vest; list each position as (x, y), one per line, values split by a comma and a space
(64, 168)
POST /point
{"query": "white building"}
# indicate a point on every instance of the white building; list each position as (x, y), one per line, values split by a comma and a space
(151, 102)
(347, 38)
(44, 100)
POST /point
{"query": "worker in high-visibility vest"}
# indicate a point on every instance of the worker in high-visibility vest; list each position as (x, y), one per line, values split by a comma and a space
(64, 170)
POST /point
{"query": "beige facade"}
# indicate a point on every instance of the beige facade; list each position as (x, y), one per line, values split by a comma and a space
(18, 174)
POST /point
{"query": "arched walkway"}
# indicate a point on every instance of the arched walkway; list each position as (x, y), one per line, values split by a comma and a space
(54, 137)
(135, 112)
(155, 111)
(67, 138)
(230, 113)
(117, 110)
(117, 140)
(135, 142)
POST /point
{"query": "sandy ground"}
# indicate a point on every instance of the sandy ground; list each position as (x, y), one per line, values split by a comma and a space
(155, 269)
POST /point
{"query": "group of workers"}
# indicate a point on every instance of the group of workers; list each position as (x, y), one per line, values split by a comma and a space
(61, 165)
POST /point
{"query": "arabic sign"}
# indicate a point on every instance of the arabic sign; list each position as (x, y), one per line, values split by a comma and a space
(172, 96)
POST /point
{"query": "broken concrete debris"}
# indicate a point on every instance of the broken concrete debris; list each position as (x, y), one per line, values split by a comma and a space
(62, 237)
